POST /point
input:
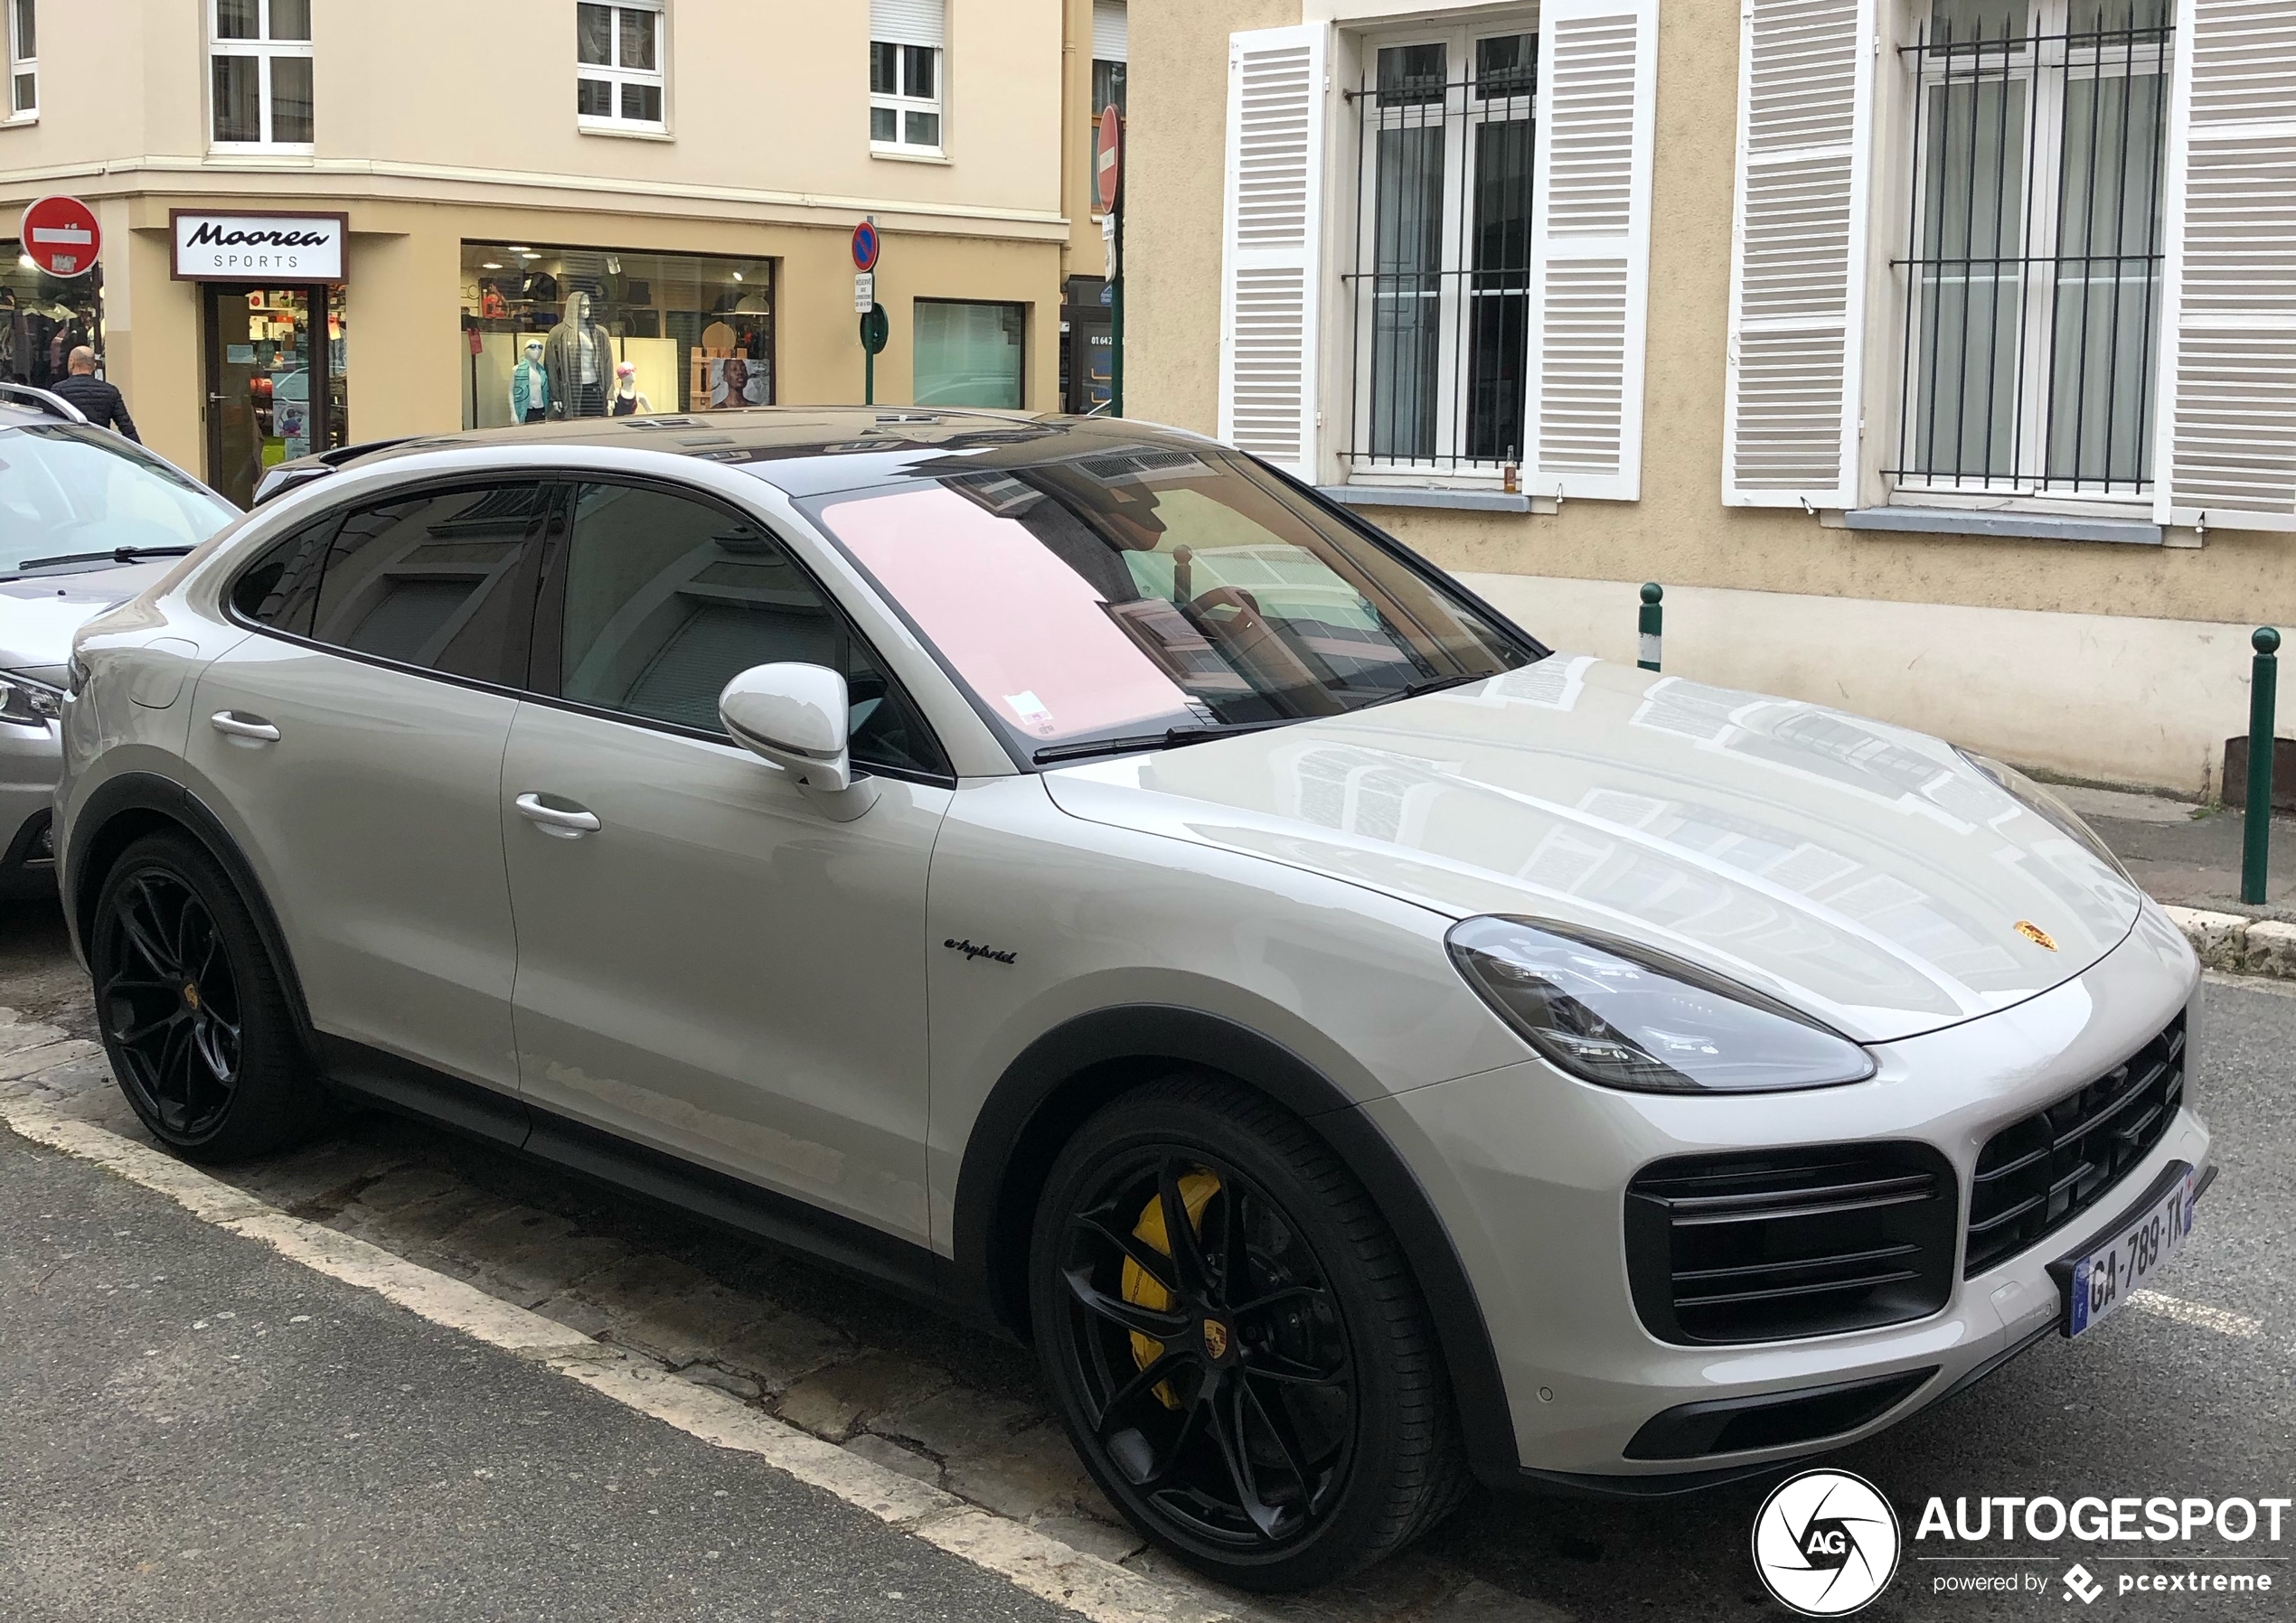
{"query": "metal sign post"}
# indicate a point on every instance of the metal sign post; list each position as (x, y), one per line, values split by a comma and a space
(1110, 179)
(874, 326)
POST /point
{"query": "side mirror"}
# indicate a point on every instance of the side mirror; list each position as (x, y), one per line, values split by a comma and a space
(795, 717)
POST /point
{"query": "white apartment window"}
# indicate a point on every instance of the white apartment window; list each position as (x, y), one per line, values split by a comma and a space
(24, 60)
(618, 72)
(908, 39)
(2033, 268)
(259, 61)
(1440, 289)
(1111, 49)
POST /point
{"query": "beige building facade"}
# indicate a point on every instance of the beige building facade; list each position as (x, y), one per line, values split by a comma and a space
(691, 169)
(1938, 356)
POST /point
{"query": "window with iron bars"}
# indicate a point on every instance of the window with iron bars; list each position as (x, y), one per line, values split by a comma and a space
(2034, 245)
(1440, 295)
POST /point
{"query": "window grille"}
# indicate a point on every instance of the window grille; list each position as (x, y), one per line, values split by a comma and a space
(2035, 239)
(1440, 295)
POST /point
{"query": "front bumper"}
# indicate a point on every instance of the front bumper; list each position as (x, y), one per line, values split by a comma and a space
(1528, 1170)
(31, 760)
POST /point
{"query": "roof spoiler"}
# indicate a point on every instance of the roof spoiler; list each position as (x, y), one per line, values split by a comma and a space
(55, 405)
(283, 477)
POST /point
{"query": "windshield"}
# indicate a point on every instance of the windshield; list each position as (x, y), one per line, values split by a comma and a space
(1137, 590)
(66, 489)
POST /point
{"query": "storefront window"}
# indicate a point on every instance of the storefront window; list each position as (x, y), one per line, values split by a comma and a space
(42, 318)
(969, 354)
(547, 332)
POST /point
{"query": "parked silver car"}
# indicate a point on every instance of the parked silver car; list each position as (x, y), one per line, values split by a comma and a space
(1072, 872)
(88, 520)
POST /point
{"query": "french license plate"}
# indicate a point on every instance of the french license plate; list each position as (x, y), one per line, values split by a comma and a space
(2106, 1276)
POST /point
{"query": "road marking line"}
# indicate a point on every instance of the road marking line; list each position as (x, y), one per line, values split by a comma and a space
(2192, 1313)
(1044, 1566)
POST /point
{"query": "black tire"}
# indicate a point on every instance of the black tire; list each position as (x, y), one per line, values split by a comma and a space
(1281, 1440)
(193, 1017)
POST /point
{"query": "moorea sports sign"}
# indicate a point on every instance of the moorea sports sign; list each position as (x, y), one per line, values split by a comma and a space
(258, 248)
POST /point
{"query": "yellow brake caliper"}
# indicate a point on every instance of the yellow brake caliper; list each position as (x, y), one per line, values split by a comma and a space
(1141, 1288)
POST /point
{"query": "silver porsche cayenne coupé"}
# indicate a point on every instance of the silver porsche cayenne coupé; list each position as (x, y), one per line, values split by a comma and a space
(1072, 873)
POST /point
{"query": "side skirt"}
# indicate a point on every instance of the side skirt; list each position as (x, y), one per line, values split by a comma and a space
(370, 1076)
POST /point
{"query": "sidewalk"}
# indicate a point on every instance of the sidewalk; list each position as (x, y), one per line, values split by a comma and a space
(2188, 856)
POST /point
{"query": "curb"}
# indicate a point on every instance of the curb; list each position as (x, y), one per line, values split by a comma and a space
(1033, 1561)
(2235, 942)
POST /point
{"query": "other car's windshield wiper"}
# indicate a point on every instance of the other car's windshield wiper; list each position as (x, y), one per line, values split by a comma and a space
(117, 555)
(1166, 739)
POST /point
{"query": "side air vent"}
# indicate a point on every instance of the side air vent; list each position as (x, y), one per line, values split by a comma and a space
(1774, 1244)
(2034, 1178)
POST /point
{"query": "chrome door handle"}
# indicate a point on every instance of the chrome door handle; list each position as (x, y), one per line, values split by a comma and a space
(238, 726)
(566, 825)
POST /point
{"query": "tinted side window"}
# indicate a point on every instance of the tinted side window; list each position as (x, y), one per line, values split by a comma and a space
(443, 579)
(667, 599)
(282, 588)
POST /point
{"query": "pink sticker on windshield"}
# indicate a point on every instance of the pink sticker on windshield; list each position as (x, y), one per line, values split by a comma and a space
(1027, 632)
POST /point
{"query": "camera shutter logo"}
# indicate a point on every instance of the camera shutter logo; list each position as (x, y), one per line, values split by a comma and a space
(1826, 1543)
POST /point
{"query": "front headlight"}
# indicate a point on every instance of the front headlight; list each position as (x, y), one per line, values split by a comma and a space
(1626, 1016)
(28, 703)
(2038, 800)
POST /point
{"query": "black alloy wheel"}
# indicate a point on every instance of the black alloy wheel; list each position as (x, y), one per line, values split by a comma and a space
(190, 1006)
(1241, 1359)
(171, 1004)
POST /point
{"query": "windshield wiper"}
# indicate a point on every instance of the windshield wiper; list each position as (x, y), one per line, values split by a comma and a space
(1434, 684)
(1167, 739)
(118, 554)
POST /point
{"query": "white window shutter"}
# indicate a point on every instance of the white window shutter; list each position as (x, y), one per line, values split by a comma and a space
(1590, 247)
(910, 22)
(1798, 253)
(2224, 445)
(1272, 266)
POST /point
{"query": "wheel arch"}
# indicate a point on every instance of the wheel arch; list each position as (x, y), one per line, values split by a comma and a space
(123, 810)
(1059, 1080)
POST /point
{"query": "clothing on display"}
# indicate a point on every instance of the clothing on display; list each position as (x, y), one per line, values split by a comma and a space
(576, 355)
(628, 402)
(530, 386)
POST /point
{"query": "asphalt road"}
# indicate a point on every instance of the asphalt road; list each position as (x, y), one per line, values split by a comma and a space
(2194, 1394)
(196, 1428)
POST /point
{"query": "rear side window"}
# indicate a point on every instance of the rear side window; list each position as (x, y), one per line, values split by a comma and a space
(443, 579)
(666, 599)
(281, 589)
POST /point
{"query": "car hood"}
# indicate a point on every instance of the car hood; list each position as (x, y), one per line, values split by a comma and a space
(1862, 872)
(39, 612)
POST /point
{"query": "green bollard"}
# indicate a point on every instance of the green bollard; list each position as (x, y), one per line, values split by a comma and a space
(2256, 835)
(1652, 625)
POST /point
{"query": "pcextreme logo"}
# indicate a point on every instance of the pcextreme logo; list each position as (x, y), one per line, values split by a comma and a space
(1826, 1543)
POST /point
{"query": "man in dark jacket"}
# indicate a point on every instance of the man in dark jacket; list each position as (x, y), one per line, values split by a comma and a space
(97, 400)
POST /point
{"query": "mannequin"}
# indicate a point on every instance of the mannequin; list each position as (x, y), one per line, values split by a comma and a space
(628, 402)
(579, 355)
(530, 386)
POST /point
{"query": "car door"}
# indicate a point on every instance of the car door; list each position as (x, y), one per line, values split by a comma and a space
(712, 960)
(357, 743)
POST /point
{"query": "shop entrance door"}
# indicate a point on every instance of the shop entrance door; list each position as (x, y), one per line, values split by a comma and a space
(276, 388)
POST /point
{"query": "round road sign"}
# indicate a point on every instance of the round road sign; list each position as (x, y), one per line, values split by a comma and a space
(1109, 159)
(865, 247)
(875, 330)
(60, 235)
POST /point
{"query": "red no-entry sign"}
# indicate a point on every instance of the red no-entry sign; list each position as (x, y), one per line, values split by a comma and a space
(1110, 159)
(60, 235)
